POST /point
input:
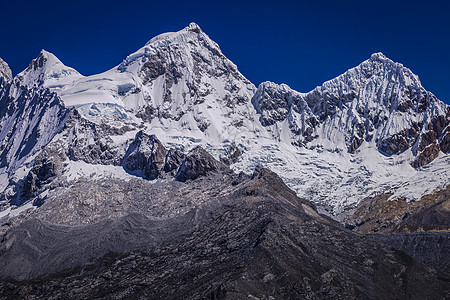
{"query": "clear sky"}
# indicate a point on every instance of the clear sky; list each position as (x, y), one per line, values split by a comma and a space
(300, 43)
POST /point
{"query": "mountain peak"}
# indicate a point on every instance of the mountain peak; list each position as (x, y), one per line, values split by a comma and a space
(193, 27)
(44, 60)
(45, 53)
(49, 58)
(379, 57)
(5, 71)
(170, 36)
(48, 55)
(389, 66)
(47, 70)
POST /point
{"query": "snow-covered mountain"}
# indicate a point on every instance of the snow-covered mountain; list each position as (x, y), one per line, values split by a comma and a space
(374, 129)
(181, 79)
(47, 71)
(379, 100)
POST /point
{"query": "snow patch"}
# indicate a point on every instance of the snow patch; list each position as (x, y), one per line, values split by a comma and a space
(75, 170)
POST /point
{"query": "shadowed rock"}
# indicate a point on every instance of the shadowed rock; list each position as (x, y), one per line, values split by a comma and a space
(431, 248)
(199, 163)
(145, 156)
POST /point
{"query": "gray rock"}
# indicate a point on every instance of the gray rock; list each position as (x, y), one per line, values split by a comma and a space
(199, 163)
(432, 248)
(146, 156)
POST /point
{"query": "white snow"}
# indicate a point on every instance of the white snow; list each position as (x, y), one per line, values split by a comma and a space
(426, 180)
(333, 178)
(14, 211)
(48, 71)
(75, 170)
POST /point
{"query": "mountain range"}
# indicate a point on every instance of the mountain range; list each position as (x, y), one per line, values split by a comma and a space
(171, 160)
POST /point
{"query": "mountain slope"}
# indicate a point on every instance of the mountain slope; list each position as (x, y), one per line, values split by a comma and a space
(29, 120)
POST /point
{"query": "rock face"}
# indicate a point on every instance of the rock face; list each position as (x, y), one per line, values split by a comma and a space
(28, 123)
(279, 104)
(377, 215)
(146, 155)
(223, 236)
(84, 140)
(199, 163)
(431, 248)
(435, 139)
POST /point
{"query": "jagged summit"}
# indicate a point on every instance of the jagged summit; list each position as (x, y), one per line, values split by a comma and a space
(177, 80)
(374, 101)
(183, 34)
(193, 27)
(44, 60)
(5, 71)
(190, 34)
(379, 81)
(377, 113)
(49, 56)
(47, 71)
(378, 56)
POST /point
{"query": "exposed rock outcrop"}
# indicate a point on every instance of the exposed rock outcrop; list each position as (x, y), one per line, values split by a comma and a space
(377, 215)
(432, 248)
(146, 155)
(199, 163)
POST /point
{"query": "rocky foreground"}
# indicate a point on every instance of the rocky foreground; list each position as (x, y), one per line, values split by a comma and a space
(218, 236)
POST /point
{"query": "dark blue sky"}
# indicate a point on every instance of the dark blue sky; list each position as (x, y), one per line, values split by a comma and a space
(300, 43)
